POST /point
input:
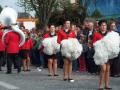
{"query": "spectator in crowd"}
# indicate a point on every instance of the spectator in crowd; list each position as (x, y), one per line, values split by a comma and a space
(115, 66)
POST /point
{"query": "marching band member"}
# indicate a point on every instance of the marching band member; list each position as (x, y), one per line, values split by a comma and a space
(2, 48)
(12, 38)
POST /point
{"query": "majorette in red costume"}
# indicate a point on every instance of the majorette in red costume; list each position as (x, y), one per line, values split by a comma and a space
(70, 47)
(50, 48)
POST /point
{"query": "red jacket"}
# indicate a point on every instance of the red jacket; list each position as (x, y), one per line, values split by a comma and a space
(12, 41)
(96, 36)
(2, 47)
(62, 35)
(27, 45)
(47, 35)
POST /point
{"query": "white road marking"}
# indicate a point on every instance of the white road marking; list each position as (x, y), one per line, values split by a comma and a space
(8, 86)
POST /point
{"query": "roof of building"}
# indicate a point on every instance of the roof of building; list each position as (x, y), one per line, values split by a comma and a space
(24, 15)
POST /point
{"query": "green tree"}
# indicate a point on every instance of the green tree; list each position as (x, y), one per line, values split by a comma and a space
(42, 8)
(0, 8)
(73, 12)
(84, 5)
(56, 11)
(96, 14)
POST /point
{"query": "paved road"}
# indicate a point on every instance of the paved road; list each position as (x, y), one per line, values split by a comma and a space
(36, 80)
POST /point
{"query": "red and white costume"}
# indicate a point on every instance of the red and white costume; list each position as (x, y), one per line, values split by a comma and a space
(70, 47)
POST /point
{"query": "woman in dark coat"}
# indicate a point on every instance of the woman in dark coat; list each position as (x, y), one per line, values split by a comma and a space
(115, 66)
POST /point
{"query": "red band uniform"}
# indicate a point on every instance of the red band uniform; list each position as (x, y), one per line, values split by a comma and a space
(2, 49)
(12, 41)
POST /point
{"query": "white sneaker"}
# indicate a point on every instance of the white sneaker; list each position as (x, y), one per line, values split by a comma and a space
(71, 80)
(39, 69)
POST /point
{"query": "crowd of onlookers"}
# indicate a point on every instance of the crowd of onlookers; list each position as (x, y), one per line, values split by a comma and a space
(84, 62)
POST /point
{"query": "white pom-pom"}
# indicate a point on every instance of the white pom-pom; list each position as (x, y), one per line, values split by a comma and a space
(107, 48)
(112, 42)
(55, 45)
(50, 45)
(48, 49)
(71, 48)
(101, 54)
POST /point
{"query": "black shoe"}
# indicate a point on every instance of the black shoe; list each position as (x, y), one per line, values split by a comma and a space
(0, 69)
(28, 70)
(15, 67)
(56, 75)
(108, 88)
(100, 88)
(19, 70)
(65, 79)
(49, 75)
(116, 75)
(24, 70)
(8, 72)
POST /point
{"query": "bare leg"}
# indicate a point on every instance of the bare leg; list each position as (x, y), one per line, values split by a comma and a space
(69, 69)
(24, 65)
(55, 67)
(66, 68)
(102, 75)
(107, 75)
(50, 70)
(28, 63)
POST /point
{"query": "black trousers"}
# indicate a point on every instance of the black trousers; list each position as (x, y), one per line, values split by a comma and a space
(13, 59)
(115, 66)
(91, 66)
(2, 58)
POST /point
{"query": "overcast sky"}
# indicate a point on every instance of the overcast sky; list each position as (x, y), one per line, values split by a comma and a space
(11, 3)
(106, 7)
